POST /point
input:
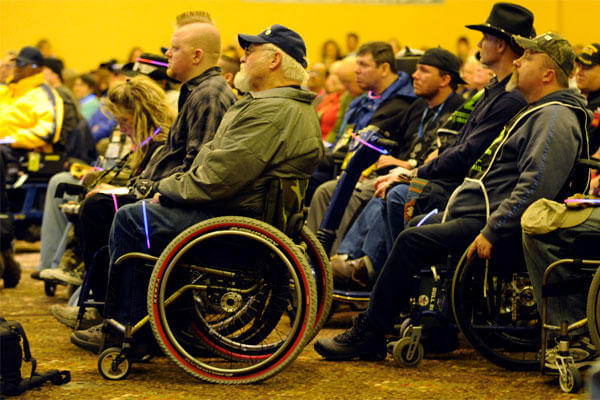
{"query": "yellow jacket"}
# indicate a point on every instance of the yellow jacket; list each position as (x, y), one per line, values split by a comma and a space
(31, 113)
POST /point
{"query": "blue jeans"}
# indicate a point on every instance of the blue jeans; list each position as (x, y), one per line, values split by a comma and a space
(128, 284)
(374, 231)
(55, 225)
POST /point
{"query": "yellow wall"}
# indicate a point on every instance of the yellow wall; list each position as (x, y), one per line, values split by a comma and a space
(86, 32)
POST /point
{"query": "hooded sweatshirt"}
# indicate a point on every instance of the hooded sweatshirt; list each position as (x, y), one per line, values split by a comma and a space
(532, 158)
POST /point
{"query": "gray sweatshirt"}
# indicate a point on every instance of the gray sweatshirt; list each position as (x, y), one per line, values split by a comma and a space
(531, 159)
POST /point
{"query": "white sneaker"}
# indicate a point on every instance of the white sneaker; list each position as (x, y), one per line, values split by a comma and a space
(61, 275)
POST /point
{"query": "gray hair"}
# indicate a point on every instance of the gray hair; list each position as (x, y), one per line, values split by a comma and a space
(291, 68)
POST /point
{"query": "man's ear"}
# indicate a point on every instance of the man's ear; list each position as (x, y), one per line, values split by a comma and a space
(446, 80)
(229, 78)
(385, 69)
(276, 61)
(197, 56)
(549, 75)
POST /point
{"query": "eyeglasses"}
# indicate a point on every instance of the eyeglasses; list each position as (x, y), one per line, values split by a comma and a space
(253, 49)
(22, 63)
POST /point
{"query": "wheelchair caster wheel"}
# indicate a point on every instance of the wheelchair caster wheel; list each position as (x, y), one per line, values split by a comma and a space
(402, 356)
(49, 288)
(571, 382)
(113, 365)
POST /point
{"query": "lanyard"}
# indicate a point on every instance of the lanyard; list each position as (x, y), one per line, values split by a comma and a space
(437, 114)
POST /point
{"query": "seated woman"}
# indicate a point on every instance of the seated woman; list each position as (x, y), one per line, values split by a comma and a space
(84, 89)
(144, 114)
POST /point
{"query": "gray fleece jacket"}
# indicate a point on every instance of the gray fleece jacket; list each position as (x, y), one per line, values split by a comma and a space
(531, 159)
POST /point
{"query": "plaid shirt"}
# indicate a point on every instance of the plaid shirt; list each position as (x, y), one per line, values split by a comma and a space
(203, 101)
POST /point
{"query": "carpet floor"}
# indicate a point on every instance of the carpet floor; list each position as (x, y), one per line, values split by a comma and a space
(462, 374)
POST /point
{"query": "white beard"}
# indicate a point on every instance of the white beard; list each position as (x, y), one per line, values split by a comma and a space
(241, 81)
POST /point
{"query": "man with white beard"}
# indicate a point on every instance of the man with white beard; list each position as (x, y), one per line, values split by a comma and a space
(272, 132)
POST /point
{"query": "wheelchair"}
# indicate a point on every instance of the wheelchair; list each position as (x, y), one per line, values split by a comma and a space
(495, 309)
(27, 180)
(232, 299)
(561, 361)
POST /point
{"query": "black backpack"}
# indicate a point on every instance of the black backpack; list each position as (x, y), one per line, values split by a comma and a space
(11, 356)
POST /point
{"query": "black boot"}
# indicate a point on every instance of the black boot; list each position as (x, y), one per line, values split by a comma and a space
(360, 341)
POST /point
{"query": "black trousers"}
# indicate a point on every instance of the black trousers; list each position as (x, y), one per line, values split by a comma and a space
(414, 249)
(96, 214)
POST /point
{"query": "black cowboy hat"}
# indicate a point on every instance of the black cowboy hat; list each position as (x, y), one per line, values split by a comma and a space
(507, 19)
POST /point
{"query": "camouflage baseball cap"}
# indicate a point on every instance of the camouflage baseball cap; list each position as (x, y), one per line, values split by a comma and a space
(554, 46)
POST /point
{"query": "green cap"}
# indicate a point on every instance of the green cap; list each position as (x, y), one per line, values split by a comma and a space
(553, 45)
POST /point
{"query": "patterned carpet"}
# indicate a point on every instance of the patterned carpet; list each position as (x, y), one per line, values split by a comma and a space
(462, 374)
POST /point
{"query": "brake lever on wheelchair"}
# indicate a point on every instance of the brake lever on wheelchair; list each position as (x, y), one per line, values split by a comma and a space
(68, 188)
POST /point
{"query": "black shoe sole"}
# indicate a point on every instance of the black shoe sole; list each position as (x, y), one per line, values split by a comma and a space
(366, 356)
(89, 346)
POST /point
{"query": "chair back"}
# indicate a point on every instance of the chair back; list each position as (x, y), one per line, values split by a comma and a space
(284, 204)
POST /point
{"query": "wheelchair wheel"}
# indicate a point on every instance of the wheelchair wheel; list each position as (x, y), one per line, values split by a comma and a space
(402, 356)
(571, 381)
(496, 312)
(232, 300)
(323, 274)
(593, 310)
(112, 365)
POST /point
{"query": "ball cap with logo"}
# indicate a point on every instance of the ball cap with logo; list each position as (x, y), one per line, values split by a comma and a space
(554, 46)
(284, 38)
(590, 55)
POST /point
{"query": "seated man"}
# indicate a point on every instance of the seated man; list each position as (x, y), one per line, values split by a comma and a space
(271, 132)
(435, 81)
(478, 122)
(588, 81)
(541, 250)
(531, 159)
(386, 106)
(31, 112)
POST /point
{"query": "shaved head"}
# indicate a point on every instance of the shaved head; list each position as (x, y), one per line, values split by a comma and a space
(347, 75)
(195, 47)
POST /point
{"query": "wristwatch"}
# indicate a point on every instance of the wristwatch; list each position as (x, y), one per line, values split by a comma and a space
(412, 162)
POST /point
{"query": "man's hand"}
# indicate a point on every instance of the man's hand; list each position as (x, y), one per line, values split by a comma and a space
(482, 246)
(431, 156)
(155, 198)
(383, 182)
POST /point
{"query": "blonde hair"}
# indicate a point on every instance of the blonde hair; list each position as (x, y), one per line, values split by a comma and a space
(190, 17)
(147, 103)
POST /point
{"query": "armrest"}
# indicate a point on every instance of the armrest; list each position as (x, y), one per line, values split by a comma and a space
(69, 188)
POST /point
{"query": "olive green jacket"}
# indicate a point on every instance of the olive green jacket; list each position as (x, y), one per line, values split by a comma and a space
(274, 133)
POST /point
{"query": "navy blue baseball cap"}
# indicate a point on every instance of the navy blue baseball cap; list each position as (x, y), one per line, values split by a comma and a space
(30, 55)
(284, 38)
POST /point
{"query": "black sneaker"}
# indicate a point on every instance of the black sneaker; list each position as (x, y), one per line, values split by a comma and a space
(360, 341)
